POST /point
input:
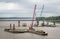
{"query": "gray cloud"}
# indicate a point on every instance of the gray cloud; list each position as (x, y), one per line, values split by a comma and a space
(49, 8)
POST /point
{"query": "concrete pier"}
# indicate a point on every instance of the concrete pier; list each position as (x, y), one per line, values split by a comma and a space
(37, 22)
(10, 26)
(47, 23)
(18, 23)
(13, 26)
(54, 23)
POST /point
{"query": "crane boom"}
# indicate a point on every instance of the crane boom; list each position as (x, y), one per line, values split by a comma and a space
(34, 14)
(42, 10)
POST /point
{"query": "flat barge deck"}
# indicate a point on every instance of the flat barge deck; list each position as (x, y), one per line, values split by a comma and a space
(26, 30)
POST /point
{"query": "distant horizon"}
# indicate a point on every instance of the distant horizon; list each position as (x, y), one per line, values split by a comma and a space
(38, 16)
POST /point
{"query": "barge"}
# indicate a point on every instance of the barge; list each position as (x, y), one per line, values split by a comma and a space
(26, 31)
(16, 30)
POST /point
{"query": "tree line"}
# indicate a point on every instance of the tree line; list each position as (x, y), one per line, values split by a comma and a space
(48, 18)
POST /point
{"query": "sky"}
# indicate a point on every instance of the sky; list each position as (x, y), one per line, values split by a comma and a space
(25, 8)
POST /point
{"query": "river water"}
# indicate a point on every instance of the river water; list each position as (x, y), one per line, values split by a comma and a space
(53, 32)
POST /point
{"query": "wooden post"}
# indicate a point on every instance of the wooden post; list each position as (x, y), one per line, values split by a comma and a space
(18, 23)
(10, 26)
(13, 26)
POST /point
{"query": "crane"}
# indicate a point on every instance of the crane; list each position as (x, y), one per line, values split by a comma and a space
(34, 14)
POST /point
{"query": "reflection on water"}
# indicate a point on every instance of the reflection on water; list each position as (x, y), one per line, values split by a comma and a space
(53, 32)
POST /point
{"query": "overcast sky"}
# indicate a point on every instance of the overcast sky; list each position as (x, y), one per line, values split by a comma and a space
(24, 8)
